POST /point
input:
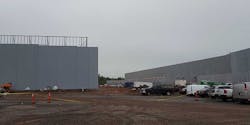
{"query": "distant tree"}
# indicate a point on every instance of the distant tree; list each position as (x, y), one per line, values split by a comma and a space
(103, 80)
(119, 78)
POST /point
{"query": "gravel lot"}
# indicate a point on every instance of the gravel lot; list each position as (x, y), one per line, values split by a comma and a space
(118, 106)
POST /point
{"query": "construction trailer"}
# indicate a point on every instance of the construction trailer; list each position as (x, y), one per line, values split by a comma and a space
(230, 68)
(39, 62)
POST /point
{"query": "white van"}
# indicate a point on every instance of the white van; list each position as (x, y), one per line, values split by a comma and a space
(241, 92)
(192, 89)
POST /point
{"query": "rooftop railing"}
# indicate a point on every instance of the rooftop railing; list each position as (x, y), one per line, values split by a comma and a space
(45, 40)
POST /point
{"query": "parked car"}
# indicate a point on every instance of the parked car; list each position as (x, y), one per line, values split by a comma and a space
(2, 90)
(128, 85)
(211, 92)
(183, 91)
(193, 89)
(203, 92)
(223, 92)
(241, 92)
(158, 90)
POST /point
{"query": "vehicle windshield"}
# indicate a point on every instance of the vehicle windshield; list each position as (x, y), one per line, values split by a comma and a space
(225, 87)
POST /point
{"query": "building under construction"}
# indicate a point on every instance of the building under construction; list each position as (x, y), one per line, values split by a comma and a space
(38, 62)
(233, 68)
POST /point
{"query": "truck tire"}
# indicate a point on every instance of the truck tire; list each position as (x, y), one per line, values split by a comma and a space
(242, 101)
(216, 97)
(234, 100)
(224, 99)
(212, 97)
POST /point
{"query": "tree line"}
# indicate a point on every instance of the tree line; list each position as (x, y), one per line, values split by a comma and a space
(103, 80)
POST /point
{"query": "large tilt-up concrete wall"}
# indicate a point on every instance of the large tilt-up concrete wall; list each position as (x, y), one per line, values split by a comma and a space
(240, 62)
(38, 67)
(233, 67)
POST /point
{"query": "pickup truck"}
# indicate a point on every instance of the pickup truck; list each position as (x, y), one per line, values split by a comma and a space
(223, 92)
(158, 90)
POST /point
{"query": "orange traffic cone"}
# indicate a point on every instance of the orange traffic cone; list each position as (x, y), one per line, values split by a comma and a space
(33, 98)
(49, 97)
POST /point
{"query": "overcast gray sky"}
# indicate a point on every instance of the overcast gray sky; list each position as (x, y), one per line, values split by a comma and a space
(136, 34)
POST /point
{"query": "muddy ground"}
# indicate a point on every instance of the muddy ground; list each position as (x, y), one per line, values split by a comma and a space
(118, 107)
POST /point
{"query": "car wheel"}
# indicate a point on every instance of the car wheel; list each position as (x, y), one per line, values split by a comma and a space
(234, 100)
(212, 97)
(216, 96)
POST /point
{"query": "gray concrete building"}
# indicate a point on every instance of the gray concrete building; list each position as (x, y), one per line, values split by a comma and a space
(39, 66)
(234, 67)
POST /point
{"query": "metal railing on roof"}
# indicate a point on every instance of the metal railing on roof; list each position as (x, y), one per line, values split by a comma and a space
(45, 40)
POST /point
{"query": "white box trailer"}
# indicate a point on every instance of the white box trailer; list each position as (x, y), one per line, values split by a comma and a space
(180, 83)
(141, 84)
(192, 89)
(241, 92)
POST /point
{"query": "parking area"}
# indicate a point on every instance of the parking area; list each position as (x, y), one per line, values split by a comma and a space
(118, 106)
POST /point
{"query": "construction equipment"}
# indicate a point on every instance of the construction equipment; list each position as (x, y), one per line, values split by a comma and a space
(6, 86)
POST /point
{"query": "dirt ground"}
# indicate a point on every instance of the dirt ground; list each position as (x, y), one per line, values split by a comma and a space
(112, 106)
